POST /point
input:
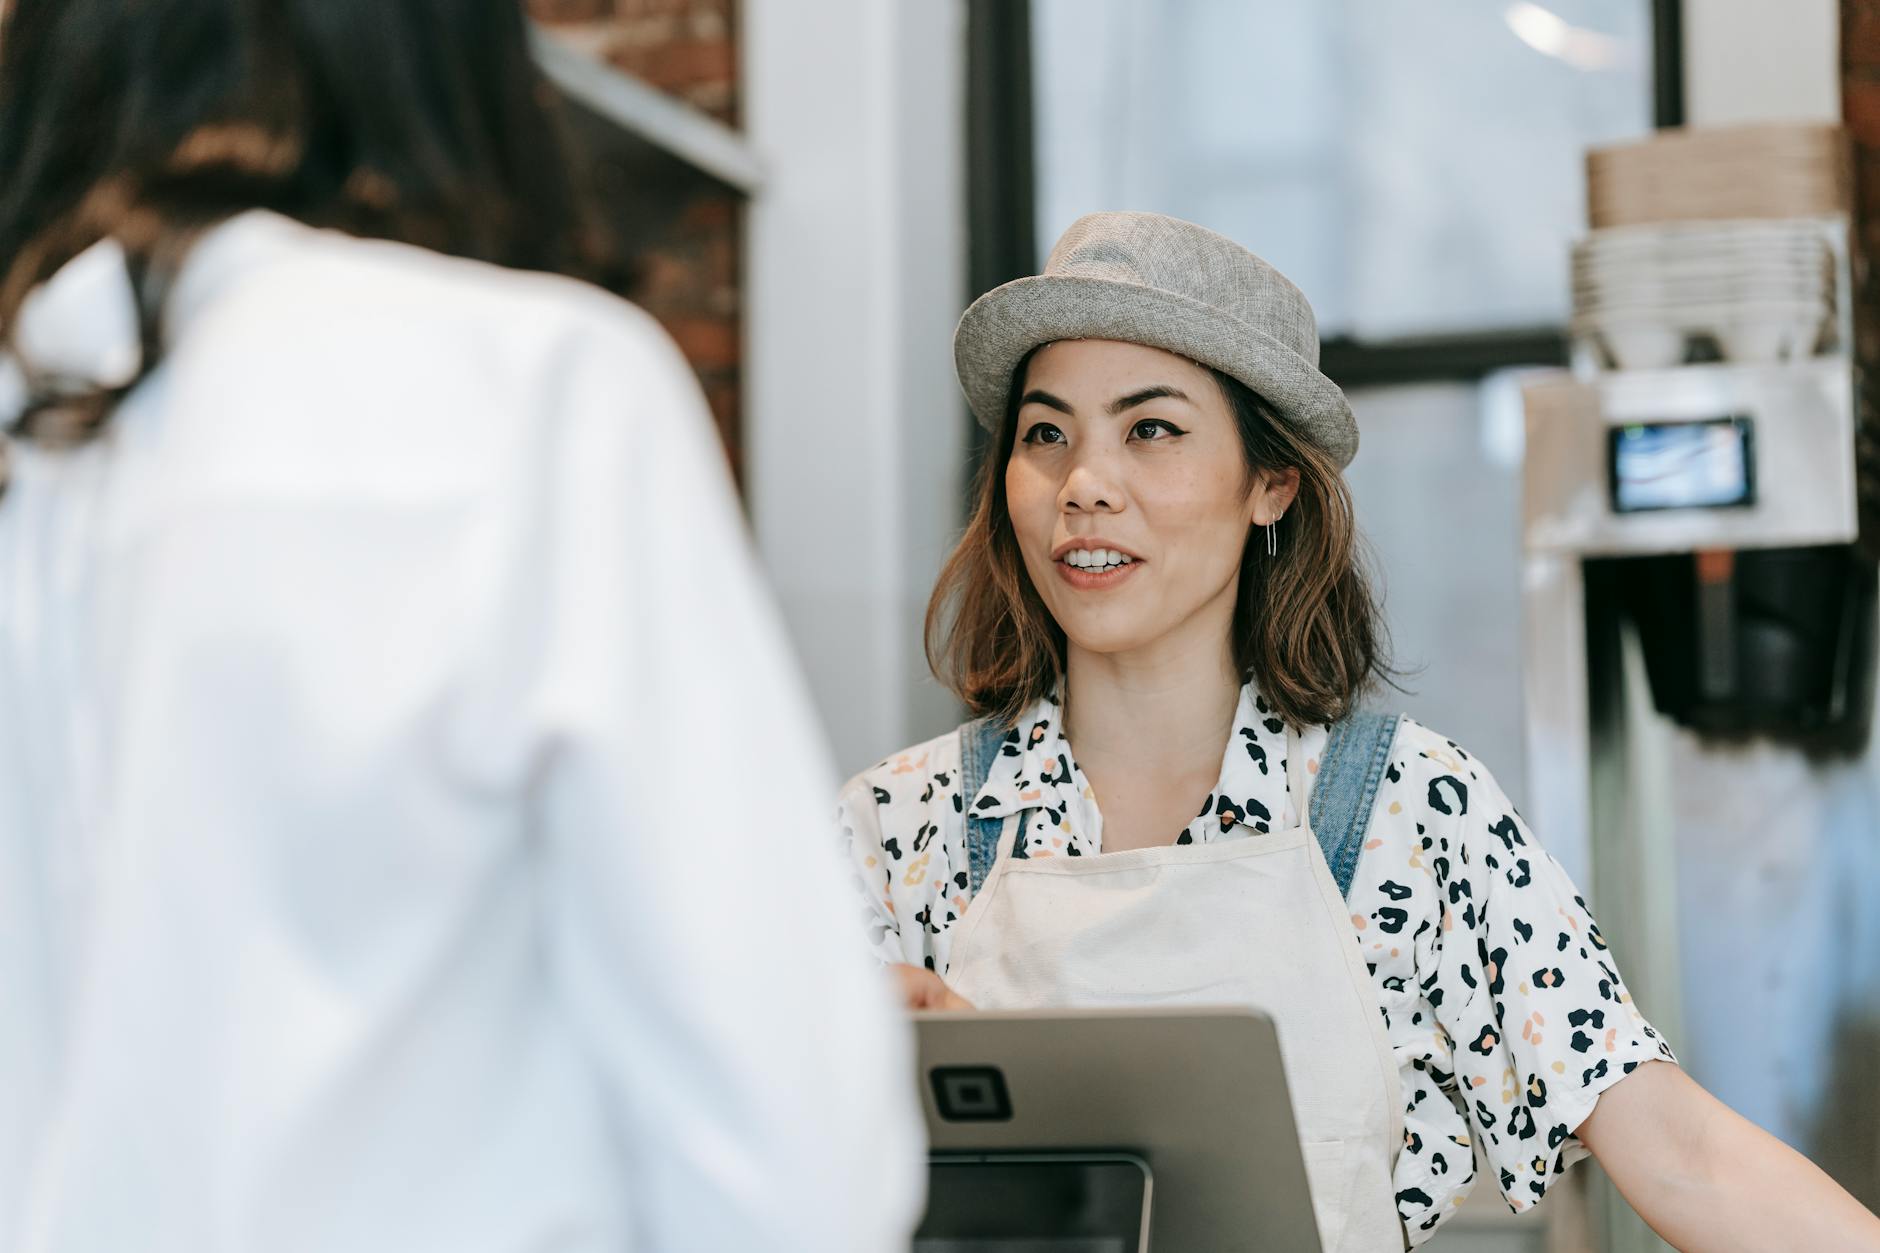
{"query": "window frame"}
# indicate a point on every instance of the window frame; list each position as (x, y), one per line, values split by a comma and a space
(1002, 198)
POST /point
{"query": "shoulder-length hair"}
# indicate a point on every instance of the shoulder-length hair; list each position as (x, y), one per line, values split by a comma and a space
(148, 121)
(1307, 628)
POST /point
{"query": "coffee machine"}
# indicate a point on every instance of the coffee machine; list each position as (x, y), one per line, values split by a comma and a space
(1698, 657)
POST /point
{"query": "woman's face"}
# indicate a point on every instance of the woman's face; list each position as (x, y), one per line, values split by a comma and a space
(1130, 497)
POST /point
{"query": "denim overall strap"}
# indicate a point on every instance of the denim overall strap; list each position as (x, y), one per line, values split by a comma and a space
(1350, 769)
(979, 748)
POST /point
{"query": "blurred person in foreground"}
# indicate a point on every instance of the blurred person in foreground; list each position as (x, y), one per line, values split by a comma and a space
(372, 613)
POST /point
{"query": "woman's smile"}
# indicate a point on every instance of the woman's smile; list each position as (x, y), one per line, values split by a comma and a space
(1094, 564)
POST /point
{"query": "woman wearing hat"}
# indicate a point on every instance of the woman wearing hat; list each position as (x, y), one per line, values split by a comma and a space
(1159, 617)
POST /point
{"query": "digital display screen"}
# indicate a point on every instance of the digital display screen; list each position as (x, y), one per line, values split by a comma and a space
(1034, 1203)
(1683, 465)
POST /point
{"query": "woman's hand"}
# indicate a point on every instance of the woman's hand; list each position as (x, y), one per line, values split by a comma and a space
(923, 989)
(1707, 1179)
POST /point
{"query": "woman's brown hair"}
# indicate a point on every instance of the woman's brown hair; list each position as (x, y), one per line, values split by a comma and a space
(149, 121)
(1307, 628)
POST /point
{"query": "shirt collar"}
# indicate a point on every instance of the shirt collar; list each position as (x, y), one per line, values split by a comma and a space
(1035, 769)
(79, 328)
(1252, 791)
(1033, 760)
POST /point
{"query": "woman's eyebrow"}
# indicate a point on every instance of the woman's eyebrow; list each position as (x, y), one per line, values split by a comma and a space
(1038, 397)
(1147, 394)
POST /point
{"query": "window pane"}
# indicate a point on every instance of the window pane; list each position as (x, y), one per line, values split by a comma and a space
(1415, 167)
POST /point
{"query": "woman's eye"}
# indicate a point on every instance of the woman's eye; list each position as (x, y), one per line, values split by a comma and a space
(1154, 428)
(1044, 433)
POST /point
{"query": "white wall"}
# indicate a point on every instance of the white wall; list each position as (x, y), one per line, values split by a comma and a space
(855, 430)
(1762, 61)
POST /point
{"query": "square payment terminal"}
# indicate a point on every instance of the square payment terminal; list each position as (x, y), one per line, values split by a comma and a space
(1109, 1131)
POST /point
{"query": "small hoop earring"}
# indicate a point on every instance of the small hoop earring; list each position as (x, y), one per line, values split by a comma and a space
(1272, 540)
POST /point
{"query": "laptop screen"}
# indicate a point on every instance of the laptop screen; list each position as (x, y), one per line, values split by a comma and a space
(1035, 1203)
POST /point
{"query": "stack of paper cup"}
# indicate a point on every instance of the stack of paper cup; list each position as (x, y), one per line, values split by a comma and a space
(1762, 290)
(1724, 235)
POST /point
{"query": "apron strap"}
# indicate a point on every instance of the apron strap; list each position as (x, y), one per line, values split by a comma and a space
(1350, 769)
(979, 748)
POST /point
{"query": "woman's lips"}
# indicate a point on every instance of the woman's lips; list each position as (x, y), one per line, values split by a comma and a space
(1086, 580)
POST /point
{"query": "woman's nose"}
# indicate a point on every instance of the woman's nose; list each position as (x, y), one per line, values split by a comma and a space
(1090, 488)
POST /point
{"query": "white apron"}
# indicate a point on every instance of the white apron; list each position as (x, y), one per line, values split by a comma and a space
(1256, 922)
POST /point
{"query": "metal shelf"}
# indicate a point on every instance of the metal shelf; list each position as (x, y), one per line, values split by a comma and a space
(695, 137)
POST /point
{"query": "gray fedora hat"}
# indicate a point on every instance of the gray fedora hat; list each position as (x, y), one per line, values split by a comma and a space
(1148, 279)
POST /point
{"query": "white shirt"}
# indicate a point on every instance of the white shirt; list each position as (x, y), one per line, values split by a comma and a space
(364, 703)
(1503, 1008)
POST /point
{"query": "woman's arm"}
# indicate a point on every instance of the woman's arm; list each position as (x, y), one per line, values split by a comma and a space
(1707, 1179)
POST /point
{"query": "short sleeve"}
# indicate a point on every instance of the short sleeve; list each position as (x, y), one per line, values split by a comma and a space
(901, 826)
(1537, 1018)
(858, 819)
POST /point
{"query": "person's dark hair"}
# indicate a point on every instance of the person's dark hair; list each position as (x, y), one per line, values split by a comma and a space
(148, 121)
(1307, 628)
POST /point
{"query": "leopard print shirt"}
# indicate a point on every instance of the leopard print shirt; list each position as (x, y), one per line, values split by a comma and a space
(1503, 1007)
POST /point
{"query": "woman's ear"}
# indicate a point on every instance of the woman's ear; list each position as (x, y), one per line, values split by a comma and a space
(1275, 494)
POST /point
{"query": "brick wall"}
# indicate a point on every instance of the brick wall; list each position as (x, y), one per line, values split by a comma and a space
(681, 229)
(1860, 101)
